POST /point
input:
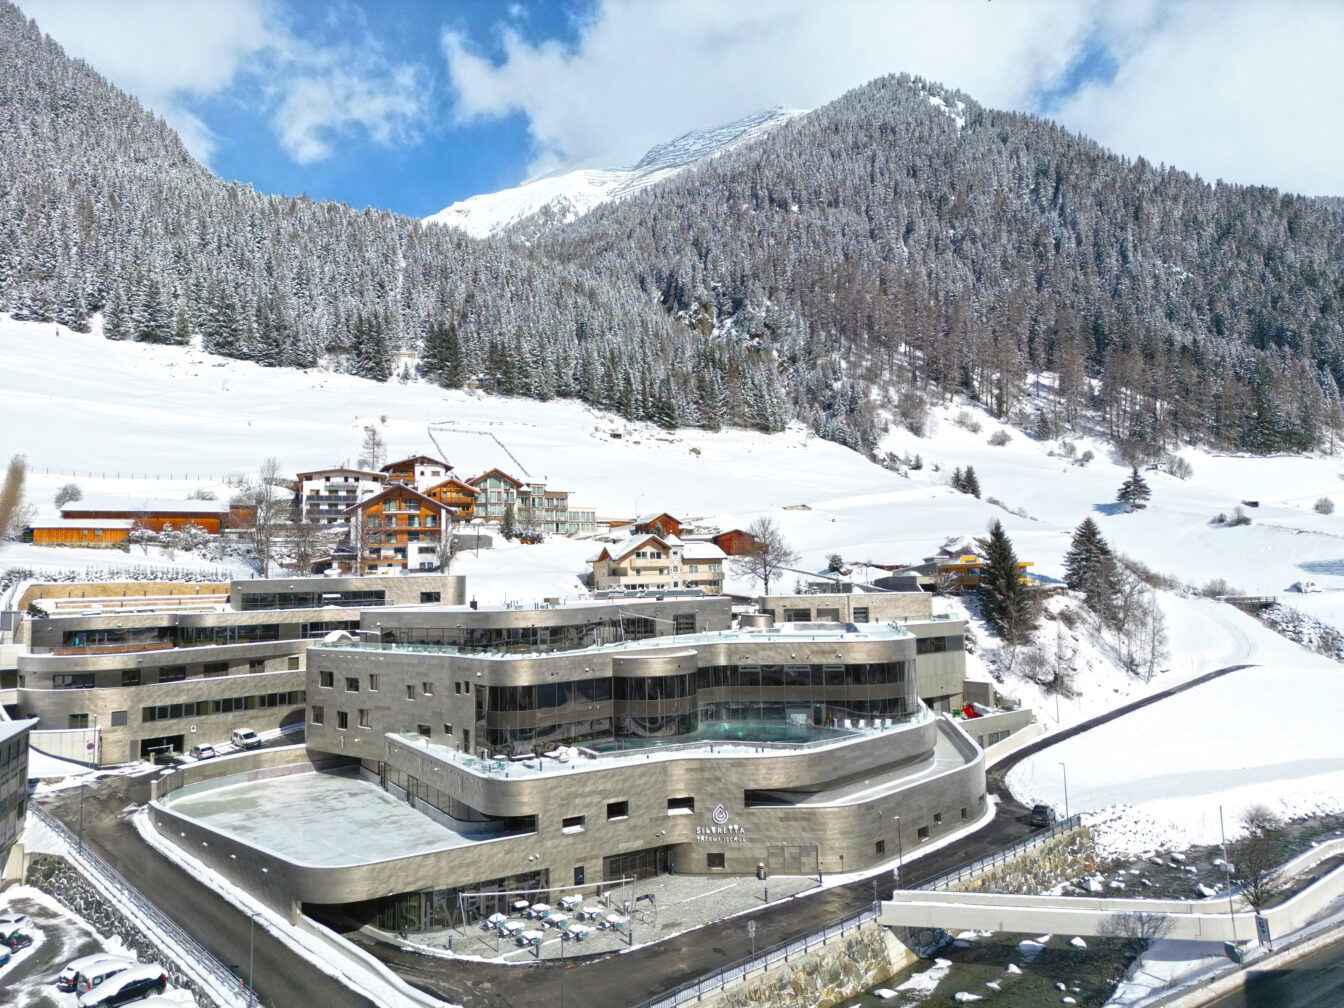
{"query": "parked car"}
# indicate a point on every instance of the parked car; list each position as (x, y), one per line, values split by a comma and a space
(129, 985)
(68, 978)
(203, 751)
(245, 738)
(14, 937)
(1304, 586)
(100, 972)
(1041, 816)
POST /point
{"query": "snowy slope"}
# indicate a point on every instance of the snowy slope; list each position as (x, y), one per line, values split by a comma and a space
(565, 196)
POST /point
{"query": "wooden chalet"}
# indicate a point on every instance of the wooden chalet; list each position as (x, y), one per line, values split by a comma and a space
(153, 514)
(399, 529)
(661, 523)
(459, 496)
(93, 532)
(418, 470)
(734, 542)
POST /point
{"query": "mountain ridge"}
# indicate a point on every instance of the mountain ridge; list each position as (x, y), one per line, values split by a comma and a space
(563, 196)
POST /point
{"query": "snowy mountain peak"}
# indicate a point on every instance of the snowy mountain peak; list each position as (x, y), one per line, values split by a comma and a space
(563, 197)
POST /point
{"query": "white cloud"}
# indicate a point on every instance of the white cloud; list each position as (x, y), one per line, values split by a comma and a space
(162, 51)
(644, 71)
(1242, 89)
(170, 52)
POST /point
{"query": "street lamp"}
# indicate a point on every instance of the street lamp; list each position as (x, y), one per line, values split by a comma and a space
(900, 851)
(1065, 771)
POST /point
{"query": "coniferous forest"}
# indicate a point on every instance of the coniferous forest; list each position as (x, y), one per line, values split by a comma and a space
(892, 247)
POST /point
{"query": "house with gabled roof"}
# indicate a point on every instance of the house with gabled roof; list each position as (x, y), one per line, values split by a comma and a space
(324, 494)
(497, 491)
(458, 495)
(655, 562)
(419, 471)
(399, 529)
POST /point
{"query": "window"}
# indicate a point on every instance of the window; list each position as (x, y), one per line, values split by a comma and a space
(681, 806)
(963, 815)
(352, 684)
(319, 715)
(937, 818)
(364, 720)
(429, 597)
(78, 721)
(373, 681)
(214, 669)
(427, 688)
(683, 623)
(342, 720)
(326, 679)
(257, 665)
(880, 848)
(457, 687)
(618, 810)
(572, 824)
(714, 860)
(422, 729)
(73, 680)
(410, 691)
(923, 833)
(293, 662)
(172, 673)
(130, 677)
(860, 614)
(448, 730)
(119, 719)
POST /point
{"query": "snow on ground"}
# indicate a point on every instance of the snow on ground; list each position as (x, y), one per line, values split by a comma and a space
(1263, 734)
(516, 573)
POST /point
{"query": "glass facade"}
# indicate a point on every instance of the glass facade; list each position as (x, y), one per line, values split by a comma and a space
(444, 908)
(715, 701)
(570, 637)
(313, 600)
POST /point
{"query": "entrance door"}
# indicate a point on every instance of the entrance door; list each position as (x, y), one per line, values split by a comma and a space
(151, 747)
(791, 860)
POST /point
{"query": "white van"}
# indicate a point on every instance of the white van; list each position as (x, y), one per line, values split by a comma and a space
(65, 981)
(245, 738)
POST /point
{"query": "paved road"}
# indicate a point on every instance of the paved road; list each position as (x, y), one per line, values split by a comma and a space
(283, 979)
(1314, 982)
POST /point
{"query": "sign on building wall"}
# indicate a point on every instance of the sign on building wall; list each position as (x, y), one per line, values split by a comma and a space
(722, 831)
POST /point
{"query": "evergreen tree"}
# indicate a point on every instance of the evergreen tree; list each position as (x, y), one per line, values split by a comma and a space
(508, 528)
(970, 482)
(1007, 599)
(1090, 569)
(958, 481)
(1134, 492)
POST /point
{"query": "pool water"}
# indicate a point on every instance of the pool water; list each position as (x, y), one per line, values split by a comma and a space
(730, 731)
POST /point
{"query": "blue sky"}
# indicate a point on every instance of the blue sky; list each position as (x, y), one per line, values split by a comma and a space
(413, 104)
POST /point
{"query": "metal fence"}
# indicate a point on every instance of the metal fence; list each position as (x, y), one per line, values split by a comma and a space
(759, 963)
(221, 981)
(948, 878)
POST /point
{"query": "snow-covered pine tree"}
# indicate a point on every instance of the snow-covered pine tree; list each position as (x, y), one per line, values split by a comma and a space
(1090, 568)
(1134, 492)
(1008, 601)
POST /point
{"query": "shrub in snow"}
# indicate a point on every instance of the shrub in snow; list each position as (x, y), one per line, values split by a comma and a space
(1000, 438)
(1324, 505)
(965, 421)
(1238, 517)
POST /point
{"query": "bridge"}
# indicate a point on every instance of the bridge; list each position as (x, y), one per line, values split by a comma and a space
(1217, 918)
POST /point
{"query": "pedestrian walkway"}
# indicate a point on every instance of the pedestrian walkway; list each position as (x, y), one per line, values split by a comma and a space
(679, 903)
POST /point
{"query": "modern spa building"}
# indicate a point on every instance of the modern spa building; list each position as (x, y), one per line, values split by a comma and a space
(481, 751)
(114, 677)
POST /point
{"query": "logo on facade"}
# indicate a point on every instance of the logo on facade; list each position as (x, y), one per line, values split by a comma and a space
(720, 814)
(722, 831)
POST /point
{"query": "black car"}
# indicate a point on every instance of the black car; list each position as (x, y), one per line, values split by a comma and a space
(1041, 816)
(14, 937)
(133, 984)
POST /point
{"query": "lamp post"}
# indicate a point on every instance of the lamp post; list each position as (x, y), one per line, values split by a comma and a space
(1065, 771)
(900, 851)
(1227, 871)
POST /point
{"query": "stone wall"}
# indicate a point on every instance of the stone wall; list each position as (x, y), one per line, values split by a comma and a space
(56, 877)
(1040, 868)
(832, 974)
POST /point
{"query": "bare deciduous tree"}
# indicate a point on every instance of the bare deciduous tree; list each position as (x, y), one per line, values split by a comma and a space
(267, 512)
(309, 543)
(66, 494)
(1257, 856)
(373, 449)
(768, 556)
(15, 514)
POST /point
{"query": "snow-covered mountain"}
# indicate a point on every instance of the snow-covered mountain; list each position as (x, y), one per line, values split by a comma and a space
(563, 196)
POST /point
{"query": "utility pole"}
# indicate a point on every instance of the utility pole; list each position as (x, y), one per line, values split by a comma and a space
(1065, 771)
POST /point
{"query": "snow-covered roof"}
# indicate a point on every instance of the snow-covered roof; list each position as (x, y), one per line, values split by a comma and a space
(84, 523)
(143, 505)
(343, 470)
(702, 551)
(644, 519)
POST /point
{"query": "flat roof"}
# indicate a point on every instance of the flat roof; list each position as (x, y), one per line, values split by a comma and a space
(326, 820)
(802, 633)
